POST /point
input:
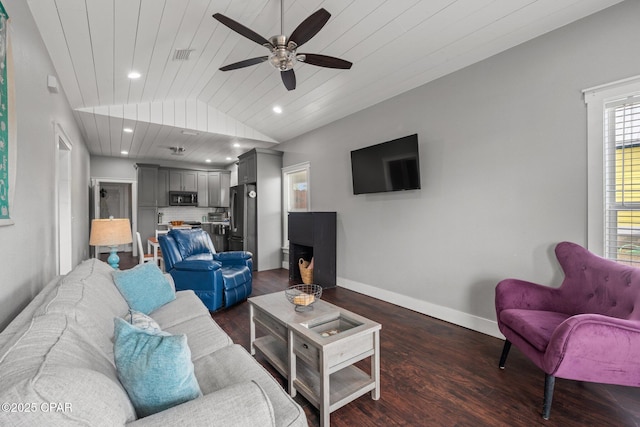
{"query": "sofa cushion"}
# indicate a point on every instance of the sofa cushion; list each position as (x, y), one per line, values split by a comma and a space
(187, 315)
(144, 287)
(156, 370)
(191, 242)
(536, 325)
(186, 306)
(88, 296)
(244, 404)
(56, 361)
(234, 365)
(203, 335)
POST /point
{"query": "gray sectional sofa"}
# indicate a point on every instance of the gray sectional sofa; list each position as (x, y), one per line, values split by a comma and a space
(57, 363)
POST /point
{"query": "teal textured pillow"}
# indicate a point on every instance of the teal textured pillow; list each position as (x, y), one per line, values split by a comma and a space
(155, 370)
(144, 287)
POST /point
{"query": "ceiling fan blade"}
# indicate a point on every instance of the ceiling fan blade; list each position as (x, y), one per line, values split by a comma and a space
(324, 61)
(242, 30)
(289, 79)
(245, 63)
(309, 27)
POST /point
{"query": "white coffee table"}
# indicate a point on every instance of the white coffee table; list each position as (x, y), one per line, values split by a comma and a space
(320, 367)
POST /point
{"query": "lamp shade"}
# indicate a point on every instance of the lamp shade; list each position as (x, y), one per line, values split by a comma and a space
(110, 232)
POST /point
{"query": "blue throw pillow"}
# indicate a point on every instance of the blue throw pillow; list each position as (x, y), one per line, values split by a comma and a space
(155, 370)
(144, 287)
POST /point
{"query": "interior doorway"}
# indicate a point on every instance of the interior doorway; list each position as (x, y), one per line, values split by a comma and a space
(114, 198)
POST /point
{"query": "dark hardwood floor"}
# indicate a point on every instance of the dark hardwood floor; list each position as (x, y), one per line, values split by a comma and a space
(434, 373)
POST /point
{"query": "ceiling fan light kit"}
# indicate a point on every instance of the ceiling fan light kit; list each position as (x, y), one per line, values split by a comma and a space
(283, 54)
(282, 57)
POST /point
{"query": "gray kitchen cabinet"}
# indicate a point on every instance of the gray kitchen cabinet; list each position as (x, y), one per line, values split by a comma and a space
(218, 185)
(213, 181)
(190, 180)
(225, 182)
(147, 185)
(175, 180)
(248, 168)
(163, 187)
(203, 189)
(183, 180)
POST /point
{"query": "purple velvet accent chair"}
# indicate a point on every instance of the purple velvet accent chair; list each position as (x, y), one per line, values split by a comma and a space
(588, 329)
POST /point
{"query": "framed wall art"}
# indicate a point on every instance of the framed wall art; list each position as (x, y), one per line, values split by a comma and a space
(8, 146)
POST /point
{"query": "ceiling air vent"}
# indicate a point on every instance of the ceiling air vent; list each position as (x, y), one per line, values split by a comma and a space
(182, 54)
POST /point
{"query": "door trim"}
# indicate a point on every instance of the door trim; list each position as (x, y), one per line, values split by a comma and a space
(63, 201)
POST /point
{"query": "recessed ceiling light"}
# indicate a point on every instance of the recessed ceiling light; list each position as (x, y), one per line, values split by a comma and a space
(134, 75)
(277, 109)
(190, 132)
(127, 130)
(229, 158)
(236, 145)
(124, 152)
(208, 160)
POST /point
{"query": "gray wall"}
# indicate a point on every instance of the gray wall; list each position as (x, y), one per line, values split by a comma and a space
(503, 170)
(28, 248)
(113, 167)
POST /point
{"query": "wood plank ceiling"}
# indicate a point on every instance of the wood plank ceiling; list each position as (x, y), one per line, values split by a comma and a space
(395, 45)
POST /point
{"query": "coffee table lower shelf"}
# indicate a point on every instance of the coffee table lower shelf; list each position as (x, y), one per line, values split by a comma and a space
(275, 351)
(345, 385)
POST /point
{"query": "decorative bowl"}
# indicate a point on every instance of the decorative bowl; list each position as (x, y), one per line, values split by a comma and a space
(303, 296)
(176, 223)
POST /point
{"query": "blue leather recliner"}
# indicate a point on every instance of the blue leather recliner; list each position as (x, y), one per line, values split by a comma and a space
(219, 279)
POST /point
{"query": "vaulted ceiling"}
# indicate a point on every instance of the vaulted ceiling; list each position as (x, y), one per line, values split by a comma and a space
(182, 99)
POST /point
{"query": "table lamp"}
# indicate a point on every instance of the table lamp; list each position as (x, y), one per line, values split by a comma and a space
(111, 232)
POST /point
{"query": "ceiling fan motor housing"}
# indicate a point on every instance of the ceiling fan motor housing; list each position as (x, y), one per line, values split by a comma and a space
(283, 55)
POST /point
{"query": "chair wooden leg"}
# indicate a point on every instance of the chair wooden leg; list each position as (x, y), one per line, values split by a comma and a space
(505, 353)
(549, 382)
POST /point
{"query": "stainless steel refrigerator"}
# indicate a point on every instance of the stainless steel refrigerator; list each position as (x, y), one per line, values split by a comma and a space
(243, 234)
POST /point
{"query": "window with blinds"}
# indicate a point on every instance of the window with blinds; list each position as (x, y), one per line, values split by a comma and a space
(622, 180)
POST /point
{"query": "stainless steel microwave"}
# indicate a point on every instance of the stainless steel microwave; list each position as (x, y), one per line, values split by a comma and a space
(183, 198)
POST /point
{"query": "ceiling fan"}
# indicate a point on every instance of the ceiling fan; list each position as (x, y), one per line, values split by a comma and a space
(283, 51)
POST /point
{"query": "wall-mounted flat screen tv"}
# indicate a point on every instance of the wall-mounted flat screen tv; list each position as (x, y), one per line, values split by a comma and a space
(389, 166)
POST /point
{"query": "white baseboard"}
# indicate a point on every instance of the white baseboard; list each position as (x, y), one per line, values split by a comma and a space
(466, 320)
(285, 258)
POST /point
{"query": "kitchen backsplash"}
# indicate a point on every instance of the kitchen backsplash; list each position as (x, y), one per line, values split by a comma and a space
(178, 213)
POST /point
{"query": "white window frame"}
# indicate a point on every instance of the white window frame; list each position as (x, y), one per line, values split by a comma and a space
(596, 98)
(286, 171)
